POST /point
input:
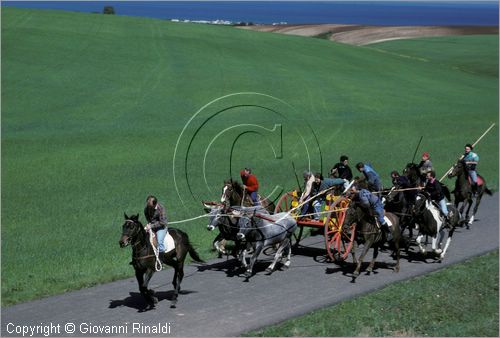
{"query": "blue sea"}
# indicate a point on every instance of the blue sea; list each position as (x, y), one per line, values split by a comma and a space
(420, 13)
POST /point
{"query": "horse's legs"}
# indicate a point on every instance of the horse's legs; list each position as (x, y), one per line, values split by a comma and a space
(448, 241)
(419, 242)
(277, 255)
(242, 257)
(218, 244)
(289, 253)
(368, 244)
(476, 205)
(374, 258)
(469, 205)
(143, 277)
(435, 242)
(257, 249)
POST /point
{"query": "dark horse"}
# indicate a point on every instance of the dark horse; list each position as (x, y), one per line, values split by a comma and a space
(396, 202)
(463, 191)
(233, 193)
(412, 171)
(144, 259)
(367, 229)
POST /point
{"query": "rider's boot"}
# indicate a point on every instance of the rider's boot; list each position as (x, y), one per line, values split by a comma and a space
(387, 231)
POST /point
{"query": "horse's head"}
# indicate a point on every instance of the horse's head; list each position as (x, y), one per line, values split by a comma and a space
(420, 203)
(244, 224)
(457, 169)
(130, 229)
(353, 214)
(393, 196)
(215, 215)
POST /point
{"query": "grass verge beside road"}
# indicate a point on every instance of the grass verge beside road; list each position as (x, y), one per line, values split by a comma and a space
(458, 301)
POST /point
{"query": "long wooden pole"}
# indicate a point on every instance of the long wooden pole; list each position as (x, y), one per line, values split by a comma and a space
(473, 145)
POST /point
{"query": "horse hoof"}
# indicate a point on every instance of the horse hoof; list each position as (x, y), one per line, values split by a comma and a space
(155, 300)
(269, 271)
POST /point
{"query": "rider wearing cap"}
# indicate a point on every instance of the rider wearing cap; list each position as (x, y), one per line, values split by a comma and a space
(471, 160)
(425, 165)
(250, 184)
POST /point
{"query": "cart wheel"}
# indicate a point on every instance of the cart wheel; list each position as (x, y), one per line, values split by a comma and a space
(339, 238)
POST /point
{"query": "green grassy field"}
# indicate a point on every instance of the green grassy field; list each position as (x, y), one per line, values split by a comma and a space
(458, 301)
(93, 107)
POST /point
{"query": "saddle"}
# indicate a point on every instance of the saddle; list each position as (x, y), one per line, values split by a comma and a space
(168, 242)
(438, 207)
(480, 180)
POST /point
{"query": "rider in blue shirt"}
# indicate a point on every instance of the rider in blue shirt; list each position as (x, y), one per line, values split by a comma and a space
(373, 203)
(471, 160)
(374, 183)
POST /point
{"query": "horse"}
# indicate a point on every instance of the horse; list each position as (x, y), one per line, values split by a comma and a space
(369, 231)
(432, 223)
(264, 230)
(144, 258)
(233, 193)
(412, 171)
(395, 202)
(463, 191)
(220, 217)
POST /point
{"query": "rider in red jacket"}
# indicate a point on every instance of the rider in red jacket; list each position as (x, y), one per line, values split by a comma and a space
(250, 184)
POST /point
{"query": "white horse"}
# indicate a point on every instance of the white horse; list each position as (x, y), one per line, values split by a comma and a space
(263, 230)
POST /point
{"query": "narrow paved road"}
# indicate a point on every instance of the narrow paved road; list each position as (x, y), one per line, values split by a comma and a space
(217, 302)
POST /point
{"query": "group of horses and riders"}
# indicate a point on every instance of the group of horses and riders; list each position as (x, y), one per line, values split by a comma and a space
(417, 201)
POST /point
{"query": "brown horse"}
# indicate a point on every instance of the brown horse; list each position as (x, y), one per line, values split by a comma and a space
(368, 230)
(463, 192)
(144, 258)
(233, 193)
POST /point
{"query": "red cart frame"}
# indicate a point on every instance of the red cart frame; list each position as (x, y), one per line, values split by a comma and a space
(339, 239)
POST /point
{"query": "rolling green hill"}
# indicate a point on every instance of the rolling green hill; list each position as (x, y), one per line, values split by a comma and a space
(93, 107)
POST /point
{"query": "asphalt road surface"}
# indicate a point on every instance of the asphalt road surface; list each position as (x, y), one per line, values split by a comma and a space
(216, 301)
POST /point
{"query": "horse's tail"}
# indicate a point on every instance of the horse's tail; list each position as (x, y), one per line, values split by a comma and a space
(488, 191)
(194, 255)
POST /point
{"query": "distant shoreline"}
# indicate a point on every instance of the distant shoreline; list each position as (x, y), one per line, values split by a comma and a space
(360, 35)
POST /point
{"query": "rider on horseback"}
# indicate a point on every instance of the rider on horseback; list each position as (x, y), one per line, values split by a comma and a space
(433, 187)
(425, 165)
(157, 221)
(374, 183)
(471, 159)
(372, 205)
(250, 184)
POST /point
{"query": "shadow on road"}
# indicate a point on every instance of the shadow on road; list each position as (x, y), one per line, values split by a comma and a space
(136, 301)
